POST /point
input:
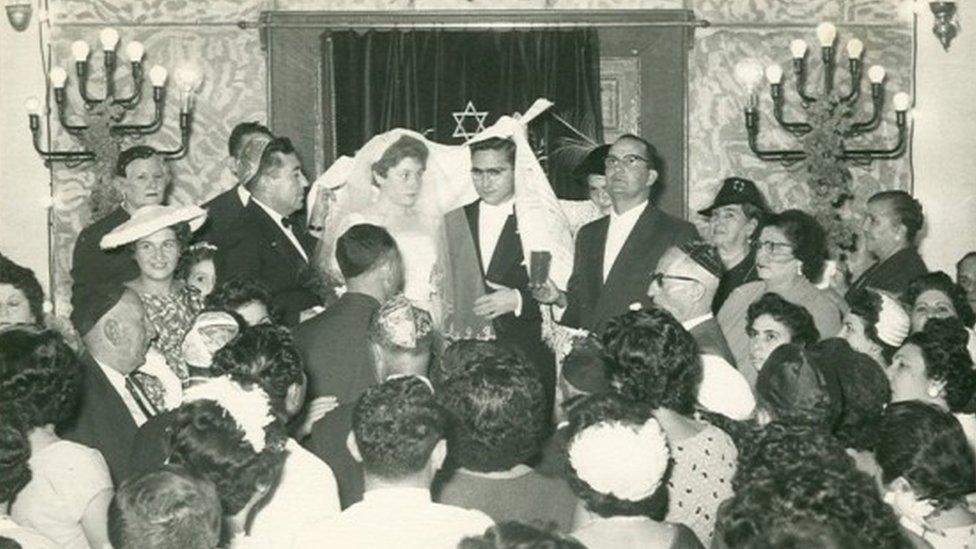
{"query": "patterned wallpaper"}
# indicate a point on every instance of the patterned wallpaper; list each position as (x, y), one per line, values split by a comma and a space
(235, 86)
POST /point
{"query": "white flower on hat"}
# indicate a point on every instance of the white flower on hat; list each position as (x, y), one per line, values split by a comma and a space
(893, 321)
(249, 408)
(625, 461)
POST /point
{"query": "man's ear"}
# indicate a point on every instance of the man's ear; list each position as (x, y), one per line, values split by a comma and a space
(438, 455)
(113, 331)
(232, 165)
(353, 447)
(651, 177)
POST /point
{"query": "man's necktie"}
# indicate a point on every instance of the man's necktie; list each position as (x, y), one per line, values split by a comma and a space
(148, 392)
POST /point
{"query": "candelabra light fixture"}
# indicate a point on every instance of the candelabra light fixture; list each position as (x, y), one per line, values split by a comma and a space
(188, 81)
(751, 73)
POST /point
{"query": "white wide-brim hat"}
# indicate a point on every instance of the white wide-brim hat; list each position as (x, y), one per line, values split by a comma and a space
(150, 219)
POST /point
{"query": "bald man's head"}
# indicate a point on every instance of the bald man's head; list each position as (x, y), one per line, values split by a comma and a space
(681, 286)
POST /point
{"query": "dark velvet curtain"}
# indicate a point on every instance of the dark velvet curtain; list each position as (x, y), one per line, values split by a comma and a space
(416, 79)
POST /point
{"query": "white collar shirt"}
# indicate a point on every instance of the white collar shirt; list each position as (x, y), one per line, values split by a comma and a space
(620, 227)
(691, 323)
(117, 380)
(277, 218)
(405, 518)
(491, 221)
(243, 194)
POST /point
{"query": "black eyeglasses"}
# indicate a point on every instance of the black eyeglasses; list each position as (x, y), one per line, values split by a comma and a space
(659, 278)
(629, 160)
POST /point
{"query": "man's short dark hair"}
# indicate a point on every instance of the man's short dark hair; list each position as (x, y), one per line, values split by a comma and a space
(965, 258)
(165, 509)
(906, 209)
(501, 144)
(498, 413)
(271, 159)
(653, 160)
(130, 155)
(265, 355)
(397, 424)
(241, 131)
(361, 248)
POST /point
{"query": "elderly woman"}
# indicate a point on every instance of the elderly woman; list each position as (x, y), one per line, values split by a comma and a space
(935, 295)
(627, 497)
(70, 488)
(790, 256)
(928, 472)
(654, 361)
(772, 321)
(875, 325)
(934, 366)
(157, 235)
(21, 296)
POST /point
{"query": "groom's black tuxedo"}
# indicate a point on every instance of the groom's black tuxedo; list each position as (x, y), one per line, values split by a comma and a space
(508, 267)
(593, 301)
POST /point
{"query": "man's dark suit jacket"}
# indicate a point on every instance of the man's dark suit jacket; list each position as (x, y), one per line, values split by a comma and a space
(508, 268)
(149, 448)
(223, 213)
(260, 249)
(593, 302)
(333, 346)
(893, 274)
(103, 422)
(328, 442)
(92, 265)
(711, 340)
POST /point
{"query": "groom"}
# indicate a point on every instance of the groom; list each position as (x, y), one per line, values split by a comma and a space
(508, 301)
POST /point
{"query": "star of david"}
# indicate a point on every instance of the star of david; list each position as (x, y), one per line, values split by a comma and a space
(461, 116)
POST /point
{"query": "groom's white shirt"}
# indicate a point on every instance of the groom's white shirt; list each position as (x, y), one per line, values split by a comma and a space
(491, 221)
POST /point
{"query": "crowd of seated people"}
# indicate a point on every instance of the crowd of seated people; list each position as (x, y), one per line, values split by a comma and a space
(206, 395)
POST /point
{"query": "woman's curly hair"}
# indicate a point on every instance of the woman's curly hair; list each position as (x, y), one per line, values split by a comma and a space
(865, 391)
(192, 255)
(796, 318)
(866, 304)
(808, 238)
(240, 290)
(606, 408)
(653, 360)
(516, 535)
(206, 440)
(498, 414)
(784, 444)
(40, 376)
(943, 345)
(941, 282)
(24, 280)
(928, 448)
(15, 453)
(404, 147)
(841, 498)
(265, 355)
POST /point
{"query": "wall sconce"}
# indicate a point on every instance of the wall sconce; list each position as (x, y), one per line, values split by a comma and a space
(946, 23)
(19, 14)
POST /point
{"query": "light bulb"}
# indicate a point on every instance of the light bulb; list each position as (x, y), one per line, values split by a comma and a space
(798, 48)
(157, 75)
(748, 72)
(854, 48)
(134, 51)
(188, 76)
(109, 38)
(826, 33)
(774, 73)
(32, 106)
(79, 49)
(876, 74)
(58, 76)
(902, 101)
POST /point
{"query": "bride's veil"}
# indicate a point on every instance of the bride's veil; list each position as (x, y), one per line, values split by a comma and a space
(347, 187)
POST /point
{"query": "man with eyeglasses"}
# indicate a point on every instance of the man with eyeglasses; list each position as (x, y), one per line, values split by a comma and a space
(494, 226)
(684, 285)
(615, 253)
